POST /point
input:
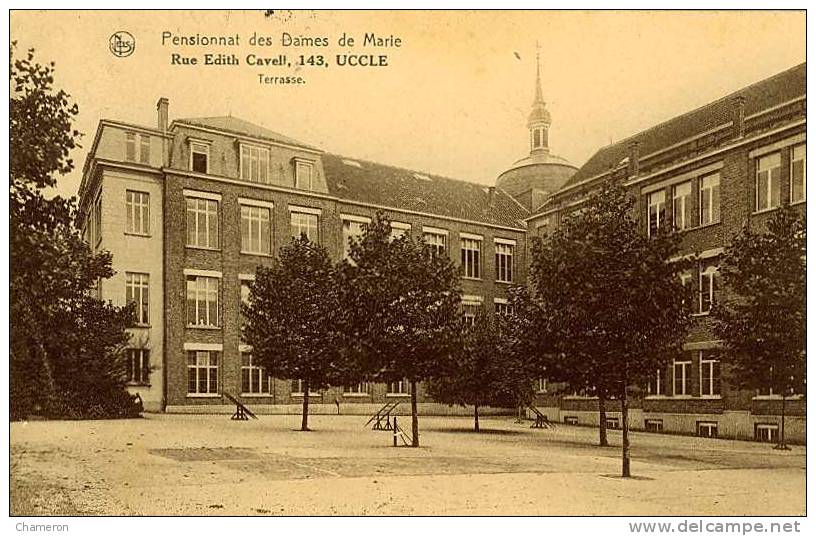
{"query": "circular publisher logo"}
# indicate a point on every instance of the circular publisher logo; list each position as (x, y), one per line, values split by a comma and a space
(122, 44)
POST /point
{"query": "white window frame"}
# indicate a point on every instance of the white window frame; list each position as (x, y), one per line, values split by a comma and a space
(660, 385)
(348, 222)
(471, 263)
(137, 287)
(794, 159)
(502, 306)
(710, 183)
(710, 363)
(766, 164)
(295, 214)
(360, 390)
(684, 202)
(260, 155)
(505, 252)
(399, 229)
(471, 302)
(303, 166)
(766, 427)
(708, 274)
(143, 357)
(253, 244)
(403, 390)
(253, 370)
(299, 392)
(137, 203)
(212, 242)
(655, 200)
(657, 425)
(144, 148)
(131, 146)
(709, 425)
(686, 378)
(208, 369)
(436, 239)
(207, 277)
(196, 147)
(541, 385)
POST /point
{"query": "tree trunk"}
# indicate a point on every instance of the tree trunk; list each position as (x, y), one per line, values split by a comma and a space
(781, 444)
(602, 441)
(476, 417)
(304, 422)
(625, 472)
(414, 418)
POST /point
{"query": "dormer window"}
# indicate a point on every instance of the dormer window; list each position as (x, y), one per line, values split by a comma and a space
(304, 175)
(199, 157)
(254, 163)
(135, 141)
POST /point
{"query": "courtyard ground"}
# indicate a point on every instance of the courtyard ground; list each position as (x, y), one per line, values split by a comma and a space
(210, 465)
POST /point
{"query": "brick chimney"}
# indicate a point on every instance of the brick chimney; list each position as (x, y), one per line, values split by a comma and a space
(491, 195)
(162, 107)
(738, 116)
(634, 158)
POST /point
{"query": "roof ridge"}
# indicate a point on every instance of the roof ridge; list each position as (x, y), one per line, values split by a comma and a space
(726, 97)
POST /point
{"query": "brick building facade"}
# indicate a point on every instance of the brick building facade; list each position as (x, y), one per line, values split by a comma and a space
(707, 173)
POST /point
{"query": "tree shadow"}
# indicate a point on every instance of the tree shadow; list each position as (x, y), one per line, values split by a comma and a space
(471, 431)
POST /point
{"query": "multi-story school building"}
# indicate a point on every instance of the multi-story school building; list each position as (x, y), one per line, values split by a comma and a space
(189, 208)
(707, 173)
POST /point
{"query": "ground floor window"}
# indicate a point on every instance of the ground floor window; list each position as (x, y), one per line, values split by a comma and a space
(399, 388)
(138, 366)
(706, 429)
(767, 433)
(654, 425)
(613, 423)
(356, 389)
(570, 420)
(202, 372)
(252, 375)
(297, 388)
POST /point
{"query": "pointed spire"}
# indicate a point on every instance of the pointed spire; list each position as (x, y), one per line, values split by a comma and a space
(539, 94)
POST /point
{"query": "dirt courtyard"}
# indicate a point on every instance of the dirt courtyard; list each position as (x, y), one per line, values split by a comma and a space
(210, 465)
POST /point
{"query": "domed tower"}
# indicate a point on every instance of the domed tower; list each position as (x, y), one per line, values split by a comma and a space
(533, 178)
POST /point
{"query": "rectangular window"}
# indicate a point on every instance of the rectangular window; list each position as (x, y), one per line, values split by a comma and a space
(613, 423)
(470, 309)
(138, 366)
(202, 301)
(255, 164)
(244, 295)
(657, 211)
(304, 224)
(541, 385)
(352, 230)
(199, 157)
(297, 389)
(399, 388)
(685, 280)
(398, 229)
(503, 308)
(304, 172)
(709, 282)
(256, 232)
(97, 213)
(144, 149)
(252, 375)
(202, 372)
(359, 389)
(654, 425)
(682, 378)
(709, 376)
(137, 291)
(656, 386)
(797, 174)
(471, 258)
(706, 429)
(202, 223)
(543, 227)
(571, 420)
(504, 262)
(766, 432)
(130, 146)
(437, 242)
(710, 199)
(681, 206)
(767, 181)
(137, 207)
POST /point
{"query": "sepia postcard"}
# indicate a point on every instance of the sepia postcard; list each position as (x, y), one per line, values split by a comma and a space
(408, 263)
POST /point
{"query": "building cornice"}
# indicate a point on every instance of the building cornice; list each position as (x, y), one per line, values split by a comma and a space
(245, 137)
(336, 199)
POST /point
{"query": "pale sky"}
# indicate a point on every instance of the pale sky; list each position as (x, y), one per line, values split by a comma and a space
(455, 96)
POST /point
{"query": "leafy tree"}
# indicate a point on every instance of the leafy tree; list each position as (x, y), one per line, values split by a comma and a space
(66, 347)
(292, 319)
(404, 307)
(762, 321)
(610, 300)
(484, 372)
